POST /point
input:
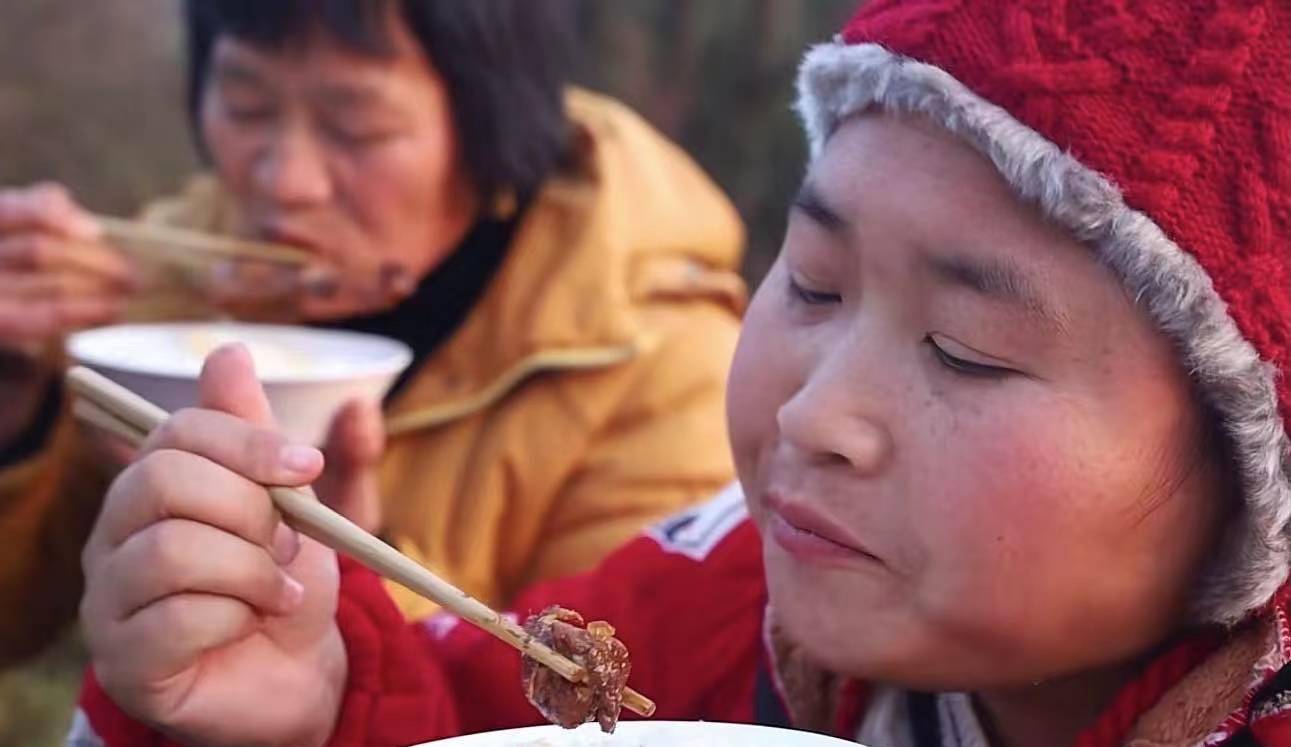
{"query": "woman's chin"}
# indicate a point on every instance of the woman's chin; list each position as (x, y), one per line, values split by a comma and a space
(324, 310)
(827, 628)
(860, 629)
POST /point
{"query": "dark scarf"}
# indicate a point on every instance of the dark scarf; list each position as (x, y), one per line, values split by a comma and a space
(444, 297)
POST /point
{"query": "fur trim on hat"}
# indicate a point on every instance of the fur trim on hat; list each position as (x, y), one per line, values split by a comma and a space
(839, 80)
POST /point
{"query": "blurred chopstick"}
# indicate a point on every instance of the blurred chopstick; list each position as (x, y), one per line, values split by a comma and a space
(119, 411)
(160, 240)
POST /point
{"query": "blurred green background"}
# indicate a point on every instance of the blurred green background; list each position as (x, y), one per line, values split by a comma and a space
(91, 91)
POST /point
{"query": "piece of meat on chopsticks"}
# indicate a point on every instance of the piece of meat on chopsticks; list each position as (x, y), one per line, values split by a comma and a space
(592, 645)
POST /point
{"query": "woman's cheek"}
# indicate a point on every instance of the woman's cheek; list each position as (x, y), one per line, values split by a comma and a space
(228, 154)
(994, 491)
(404, 199)
(762, 373)
(746, 423)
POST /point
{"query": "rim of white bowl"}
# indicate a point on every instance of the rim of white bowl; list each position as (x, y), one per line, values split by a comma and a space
(387, 357)
(630, 730)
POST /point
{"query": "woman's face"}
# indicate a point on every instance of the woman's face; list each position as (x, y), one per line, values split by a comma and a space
(974, 462)
(353, 157)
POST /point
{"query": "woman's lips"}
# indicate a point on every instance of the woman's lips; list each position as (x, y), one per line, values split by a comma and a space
(810, 536)
(298, 239)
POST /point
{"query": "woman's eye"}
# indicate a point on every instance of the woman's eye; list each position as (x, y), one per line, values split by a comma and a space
(963, 366)
(811, 297)
(249, 114)
(356, 138)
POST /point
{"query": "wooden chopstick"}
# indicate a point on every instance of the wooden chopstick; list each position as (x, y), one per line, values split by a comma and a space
(110, 406)
(91, 414)
(160, 239)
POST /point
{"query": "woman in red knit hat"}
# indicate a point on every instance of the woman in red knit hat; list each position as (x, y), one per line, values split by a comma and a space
(1010, 417)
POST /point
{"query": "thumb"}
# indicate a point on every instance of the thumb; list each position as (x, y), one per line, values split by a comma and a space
(353, 450)
(228, 383)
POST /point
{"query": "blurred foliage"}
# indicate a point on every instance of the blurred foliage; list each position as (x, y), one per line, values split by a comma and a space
(91, 96)
(718, 77)
(36, 701)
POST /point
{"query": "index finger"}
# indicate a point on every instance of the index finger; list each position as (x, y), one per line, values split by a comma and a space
(32, 251)
(48, 207)
(259, 454)
(170, 484)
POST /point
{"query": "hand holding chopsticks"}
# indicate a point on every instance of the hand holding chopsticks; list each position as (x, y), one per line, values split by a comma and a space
(123, 413)
(57, 276)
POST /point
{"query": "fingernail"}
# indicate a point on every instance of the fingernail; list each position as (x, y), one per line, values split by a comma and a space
(292, 593)
(300, 459)
(285, 544)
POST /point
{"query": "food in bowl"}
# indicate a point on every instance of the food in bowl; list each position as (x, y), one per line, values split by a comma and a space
(273, 359)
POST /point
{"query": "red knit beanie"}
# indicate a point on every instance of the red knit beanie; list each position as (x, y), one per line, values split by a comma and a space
(1159, 133)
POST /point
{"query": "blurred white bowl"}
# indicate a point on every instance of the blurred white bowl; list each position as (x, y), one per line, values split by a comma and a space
(647, 734)
(307, 373)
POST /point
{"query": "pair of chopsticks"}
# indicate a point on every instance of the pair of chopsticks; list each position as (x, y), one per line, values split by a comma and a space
(119, 411)
(194, 248)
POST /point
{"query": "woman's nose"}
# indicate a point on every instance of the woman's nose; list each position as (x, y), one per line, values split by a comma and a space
(830, 425)
(293, 172)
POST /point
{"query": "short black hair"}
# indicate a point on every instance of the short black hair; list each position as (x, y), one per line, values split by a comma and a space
(505, 64)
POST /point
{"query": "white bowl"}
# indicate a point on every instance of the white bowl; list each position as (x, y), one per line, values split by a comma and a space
(307, 373)
(647, 734)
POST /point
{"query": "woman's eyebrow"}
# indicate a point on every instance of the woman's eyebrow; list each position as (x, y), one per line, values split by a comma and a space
(998, 281)
(236, 73)
(350, 95)
(809, 201)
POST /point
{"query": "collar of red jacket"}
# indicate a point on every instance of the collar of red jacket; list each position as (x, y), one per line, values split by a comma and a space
(1207, 689)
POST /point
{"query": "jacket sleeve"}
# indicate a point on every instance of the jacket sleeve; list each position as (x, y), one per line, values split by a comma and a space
(687, 600)
(48, 503)
(663, 448)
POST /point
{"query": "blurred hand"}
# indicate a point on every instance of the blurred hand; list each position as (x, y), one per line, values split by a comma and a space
(56, 275)
(205, 615)
(354, 447)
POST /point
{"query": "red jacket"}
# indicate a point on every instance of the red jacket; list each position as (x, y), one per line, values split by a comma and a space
(689, 600)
